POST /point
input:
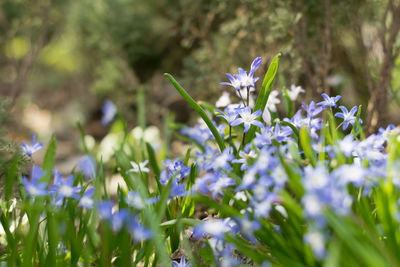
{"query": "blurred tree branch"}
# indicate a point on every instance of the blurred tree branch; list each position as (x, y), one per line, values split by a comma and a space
(377, 106)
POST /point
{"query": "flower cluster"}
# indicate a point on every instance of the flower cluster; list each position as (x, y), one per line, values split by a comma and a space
(274, 188)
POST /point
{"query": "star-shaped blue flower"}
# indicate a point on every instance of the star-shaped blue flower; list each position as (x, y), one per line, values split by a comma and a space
(348, 117)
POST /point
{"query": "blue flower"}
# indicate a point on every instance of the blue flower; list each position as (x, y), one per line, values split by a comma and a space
(222, 160)
(248, 80)
(138, 231)
(133, 199)
(350, 173)
(311, 109)
(35, 188)
(348, 117)
(216, 228)
(202, 183)
(234, 81)
(104, 209)
(248, 227)
(175, 169)
(264, 138)
(347, 145)
(109, 111)
(86, 200)
(29, 150)
(87, 165)
(243, 80)
(317, 242)
(181, 263)
(226, 257)
(329, 101)
(263, 208)
(244, 155)
(199, 133)
(205, 159)
(177, 189)
(282, 135)
(118, 220)
(297, 120)
(248, 119)
(64, 188)
(221, 183)
(230, 116)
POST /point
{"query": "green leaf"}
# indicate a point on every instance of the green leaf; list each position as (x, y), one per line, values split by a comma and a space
(357, 126)
(305, 141)
(11, 173)
(82, 132)
(262, 98)
(49, 160)
(152, 160)
(294, 129)
(199, 110)
(52, 233)
(183, 221)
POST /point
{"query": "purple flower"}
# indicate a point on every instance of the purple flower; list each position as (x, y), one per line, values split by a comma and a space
(348, 117)
(87, 165)
(64, 188)
(29, 150)
(248, 119)
(109, 111)
(86, 200)
(35, 188)
(329, 101)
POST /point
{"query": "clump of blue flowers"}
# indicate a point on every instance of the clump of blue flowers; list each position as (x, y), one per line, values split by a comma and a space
(258, 184)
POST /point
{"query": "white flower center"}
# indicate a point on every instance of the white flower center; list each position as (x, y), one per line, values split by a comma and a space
(66, 190)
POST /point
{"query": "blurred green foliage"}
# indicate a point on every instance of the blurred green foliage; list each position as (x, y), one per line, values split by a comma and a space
(111, 48)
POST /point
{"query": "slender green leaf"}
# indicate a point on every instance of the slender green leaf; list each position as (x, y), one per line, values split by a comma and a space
(199, 110)
(262, 98)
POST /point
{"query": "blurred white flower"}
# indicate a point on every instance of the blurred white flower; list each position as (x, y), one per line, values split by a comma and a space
(294, 92)
(223, 101)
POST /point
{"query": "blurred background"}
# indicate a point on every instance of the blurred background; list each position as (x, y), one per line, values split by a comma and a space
(60, 60)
